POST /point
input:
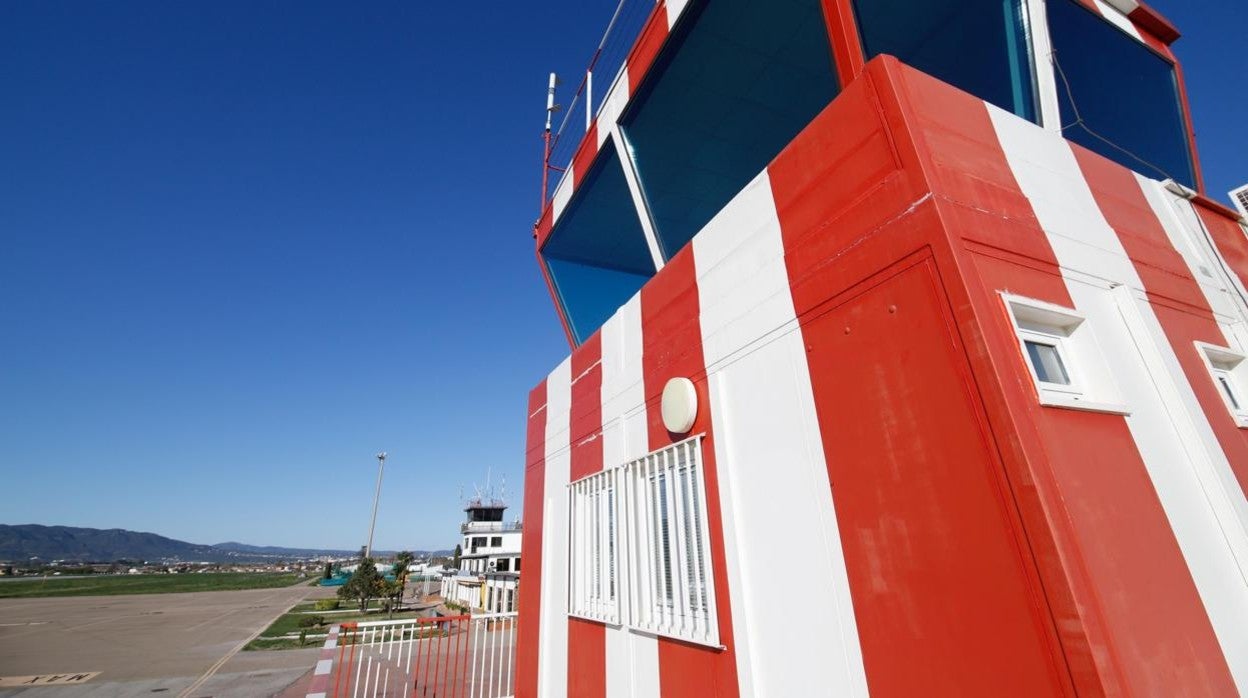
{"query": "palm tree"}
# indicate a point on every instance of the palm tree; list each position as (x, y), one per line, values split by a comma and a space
(401, 562)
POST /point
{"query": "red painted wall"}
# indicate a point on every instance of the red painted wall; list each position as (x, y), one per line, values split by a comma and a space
(530, 601)
(672, 347)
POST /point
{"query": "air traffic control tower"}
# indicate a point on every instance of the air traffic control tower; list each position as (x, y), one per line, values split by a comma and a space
(907, 359)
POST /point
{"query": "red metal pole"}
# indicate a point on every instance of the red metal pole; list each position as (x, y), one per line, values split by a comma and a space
(545, 170)
(350, 660)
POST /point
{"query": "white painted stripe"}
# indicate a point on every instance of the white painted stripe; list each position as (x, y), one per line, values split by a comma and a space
(768, 449)
(1126, 7)
(1047, 102)
(563, 194)
(317, 695)
(1221, 484)
(1187, 236)
(675, 8)
(332, 642)
(1092, 261)
(323, 667)
(552, 677)
(1118, 19)
(613, 106)
(633, 179)
(632, 661)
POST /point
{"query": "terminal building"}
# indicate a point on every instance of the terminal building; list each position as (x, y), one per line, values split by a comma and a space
(923, 304)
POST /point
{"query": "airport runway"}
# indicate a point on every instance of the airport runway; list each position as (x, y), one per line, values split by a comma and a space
(151, 643)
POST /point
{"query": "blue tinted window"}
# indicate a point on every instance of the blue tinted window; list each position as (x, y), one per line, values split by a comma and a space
(1118, 98)
(733, 85)
(597, 253)
(979, 46)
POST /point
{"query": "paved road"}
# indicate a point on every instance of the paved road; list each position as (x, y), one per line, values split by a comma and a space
(144, 643)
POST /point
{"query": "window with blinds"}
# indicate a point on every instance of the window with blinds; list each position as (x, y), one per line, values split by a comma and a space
(592, 533)
(646, 519)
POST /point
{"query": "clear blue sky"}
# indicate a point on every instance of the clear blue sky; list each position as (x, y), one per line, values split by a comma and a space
(246, 245)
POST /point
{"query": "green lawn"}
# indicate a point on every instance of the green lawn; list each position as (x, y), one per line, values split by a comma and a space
(289, 623)
(113, 584)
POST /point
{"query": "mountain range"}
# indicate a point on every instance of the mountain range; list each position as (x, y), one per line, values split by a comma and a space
(48, 543)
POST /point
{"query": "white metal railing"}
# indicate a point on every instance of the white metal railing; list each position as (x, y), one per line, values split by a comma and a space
(471, 656)
(639, 546)
(490, 526)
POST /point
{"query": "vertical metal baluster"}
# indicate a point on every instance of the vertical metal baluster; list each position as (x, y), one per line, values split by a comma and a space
(681, 575)
(695, 544)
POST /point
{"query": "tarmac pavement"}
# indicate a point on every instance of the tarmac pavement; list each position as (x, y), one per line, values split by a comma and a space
(151, 643)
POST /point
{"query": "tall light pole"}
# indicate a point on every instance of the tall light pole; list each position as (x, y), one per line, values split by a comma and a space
(381, 466)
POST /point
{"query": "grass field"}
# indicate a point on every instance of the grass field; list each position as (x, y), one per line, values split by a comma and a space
(110, 585)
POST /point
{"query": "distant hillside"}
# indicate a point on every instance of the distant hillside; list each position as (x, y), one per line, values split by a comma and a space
(94, 544)
(22, 542)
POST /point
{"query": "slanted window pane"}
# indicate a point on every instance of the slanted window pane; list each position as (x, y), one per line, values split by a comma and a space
(1230, 392)
(1118, 98)
(733, 85)
(1047, 361)
(597, 253)
(979, 46)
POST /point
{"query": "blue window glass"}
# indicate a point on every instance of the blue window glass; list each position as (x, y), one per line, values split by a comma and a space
(1118, 98)
(979, 46)
(597, 253)
(736, 81)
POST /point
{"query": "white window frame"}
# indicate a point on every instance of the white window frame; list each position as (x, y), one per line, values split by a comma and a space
(659, 589)
(1091, 388)
(1229, 365)
(594, 547)
(1049, 336)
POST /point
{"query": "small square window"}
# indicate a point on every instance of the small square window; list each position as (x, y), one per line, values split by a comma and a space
(1062, 356)
(1224, 379)
(1228, 370)
(1047, 362)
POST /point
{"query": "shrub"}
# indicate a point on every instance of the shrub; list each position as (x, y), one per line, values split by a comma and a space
(311, 621)
(326, 604)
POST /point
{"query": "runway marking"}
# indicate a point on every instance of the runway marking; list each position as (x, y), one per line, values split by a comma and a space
(213, 619)
(47, 679)
(237, 648)
(10, 625)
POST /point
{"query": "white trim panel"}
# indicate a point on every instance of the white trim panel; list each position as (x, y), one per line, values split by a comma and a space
(552, 675)
(632, 661)
(768, 449)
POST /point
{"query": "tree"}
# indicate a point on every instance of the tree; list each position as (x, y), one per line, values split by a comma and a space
(455, 557)
(365, 585)
(392, 591)
(329, 571)
(401, 562)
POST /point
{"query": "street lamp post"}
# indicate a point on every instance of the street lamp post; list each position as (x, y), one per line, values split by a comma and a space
(381, 466)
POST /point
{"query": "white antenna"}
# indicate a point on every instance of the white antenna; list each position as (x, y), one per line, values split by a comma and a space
(551, 107)
(489, 492)
(503, 494)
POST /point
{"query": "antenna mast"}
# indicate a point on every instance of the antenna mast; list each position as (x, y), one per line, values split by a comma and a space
(551, 108)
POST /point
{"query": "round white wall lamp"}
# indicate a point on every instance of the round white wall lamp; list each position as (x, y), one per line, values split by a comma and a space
(680, 405)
